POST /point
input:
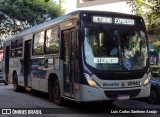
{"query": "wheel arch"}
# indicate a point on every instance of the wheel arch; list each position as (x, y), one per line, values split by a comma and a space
(156, 88)
(52, 77)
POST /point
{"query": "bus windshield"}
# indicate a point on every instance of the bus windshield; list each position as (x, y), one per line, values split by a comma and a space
(120, 48)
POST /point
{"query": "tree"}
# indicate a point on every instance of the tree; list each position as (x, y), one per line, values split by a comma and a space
(149, 10)
(156, 45)
(18, 15)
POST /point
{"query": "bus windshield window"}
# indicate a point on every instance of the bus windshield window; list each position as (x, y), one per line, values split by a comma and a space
(115, 49)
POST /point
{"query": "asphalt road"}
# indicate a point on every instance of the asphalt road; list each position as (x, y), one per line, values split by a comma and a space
(24, 103)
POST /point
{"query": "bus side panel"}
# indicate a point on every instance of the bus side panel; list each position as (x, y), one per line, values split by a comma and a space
(38, 74)
(11, 70)
(18, 66)
(40, 71)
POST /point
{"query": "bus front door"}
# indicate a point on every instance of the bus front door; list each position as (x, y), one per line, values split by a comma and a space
(69, 62)
(27, 64)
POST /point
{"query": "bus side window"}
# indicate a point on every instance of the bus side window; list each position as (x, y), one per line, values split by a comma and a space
(13, 46)
(52, 41)
(38, 43)
(19, 48)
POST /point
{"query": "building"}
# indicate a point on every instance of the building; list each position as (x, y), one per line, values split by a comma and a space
(100, 5)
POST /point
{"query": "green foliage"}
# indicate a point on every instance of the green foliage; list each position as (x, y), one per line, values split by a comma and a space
(52, 49)
(39, 50)
(156, 45)
(17, 15)
(149, 10)
(155, 71)
(98, 51)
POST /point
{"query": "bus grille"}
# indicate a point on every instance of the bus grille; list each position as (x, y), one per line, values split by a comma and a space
(114, 94)
(120, 76)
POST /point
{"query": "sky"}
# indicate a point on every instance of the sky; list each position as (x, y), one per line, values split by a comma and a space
(70, 5)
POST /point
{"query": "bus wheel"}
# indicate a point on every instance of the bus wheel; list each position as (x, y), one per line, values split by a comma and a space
(6, 83)
(153, 98)
(15, 83)
(57, 93)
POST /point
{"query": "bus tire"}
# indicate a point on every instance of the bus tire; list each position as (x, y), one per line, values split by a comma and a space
(57, 93)
(5, 83)
(50, 89)
(16, 87)
(153, 98)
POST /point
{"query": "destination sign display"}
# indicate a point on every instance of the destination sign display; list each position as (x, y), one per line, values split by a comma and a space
(106, 60)
(124, 21)
(100, 19)
(110, 20)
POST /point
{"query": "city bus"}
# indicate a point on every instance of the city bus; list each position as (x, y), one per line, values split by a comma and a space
(82, 56)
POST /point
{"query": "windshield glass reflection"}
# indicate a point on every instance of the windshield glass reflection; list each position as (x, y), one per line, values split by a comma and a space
(115, 49)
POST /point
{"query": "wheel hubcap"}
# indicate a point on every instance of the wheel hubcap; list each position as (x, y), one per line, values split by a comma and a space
(56, 92)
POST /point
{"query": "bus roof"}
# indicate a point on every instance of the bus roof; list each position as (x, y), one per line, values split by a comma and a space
(59, 20)
(41, 26)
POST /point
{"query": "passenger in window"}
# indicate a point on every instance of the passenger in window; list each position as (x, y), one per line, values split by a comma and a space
(114, 49)
(128, 54)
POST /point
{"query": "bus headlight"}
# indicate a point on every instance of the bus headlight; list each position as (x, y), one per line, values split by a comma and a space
(90, 81)
(146, 81)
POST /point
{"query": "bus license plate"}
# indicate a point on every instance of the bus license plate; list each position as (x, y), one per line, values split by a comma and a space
(123, 97)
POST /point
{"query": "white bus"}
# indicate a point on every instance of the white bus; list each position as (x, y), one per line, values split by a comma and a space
(82, 56)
